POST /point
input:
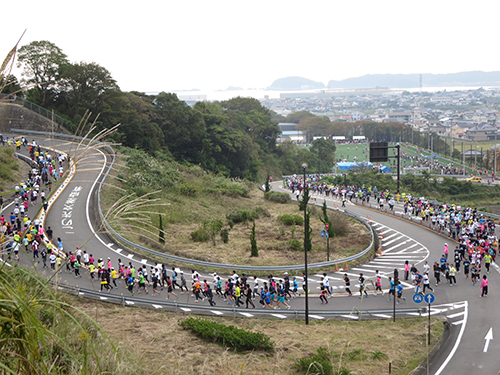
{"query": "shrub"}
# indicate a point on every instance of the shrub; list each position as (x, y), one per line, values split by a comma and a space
(199, 235)
(237, 338)
(277, 197)
(291, 219)
(319, 363)
(224, 234)
(294, 244)
(243, 216)
(188, 190)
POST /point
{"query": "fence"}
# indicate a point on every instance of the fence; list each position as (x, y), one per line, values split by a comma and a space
(37, 109)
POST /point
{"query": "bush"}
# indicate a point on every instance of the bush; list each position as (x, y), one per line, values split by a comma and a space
(224, 235)
(244, 216)
(319, 363)
(291, 219)
(277, 197)
(294, 244)
(188, 190)
(199, 235)
(237, 338)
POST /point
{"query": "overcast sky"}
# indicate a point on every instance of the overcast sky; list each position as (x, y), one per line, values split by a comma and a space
(169, 45)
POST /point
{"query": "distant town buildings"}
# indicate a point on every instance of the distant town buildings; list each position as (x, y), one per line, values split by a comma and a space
(469, 114)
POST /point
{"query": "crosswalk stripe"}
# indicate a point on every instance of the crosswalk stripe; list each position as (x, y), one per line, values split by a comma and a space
(455, 315)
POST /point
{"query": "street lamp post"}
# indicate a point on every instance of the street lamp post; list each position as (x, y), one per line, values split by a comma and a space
(304, 167)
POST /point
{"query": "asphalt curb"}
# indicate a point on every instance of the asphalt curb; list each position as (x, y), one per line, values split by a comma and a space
(421, 369)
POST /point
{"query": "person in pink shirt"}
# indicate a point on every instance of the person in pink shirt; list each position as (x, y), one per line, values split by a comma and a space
(446, 251)
(109, 263)
(484, 286)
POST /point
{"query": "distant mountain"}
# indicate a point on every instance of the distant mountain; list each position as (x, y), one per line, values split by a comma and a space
(295, 83)
(233, 88)
(402, 81)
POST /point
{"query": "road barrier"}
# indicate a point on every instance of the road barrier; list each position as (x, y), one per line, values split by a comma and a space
(205, 309)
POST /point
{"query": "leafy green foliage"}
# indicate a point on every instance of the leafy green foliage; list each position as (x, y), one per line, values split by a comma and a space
(378, 355)
(326, 220)
(291, 219)
(236, 338)
(213, 227)
(243, 216)
(199, 235)
(224, 235)
(188, 190)
(7, 165)
(318, 363)
(294, 244)
(277, 197)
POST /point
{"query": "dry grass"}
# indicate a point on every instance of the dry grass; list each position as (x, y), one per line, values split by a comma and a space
(159, 345)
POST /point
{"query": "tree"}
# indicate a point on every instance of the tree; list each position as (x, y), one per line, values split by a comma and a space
(41, 62)
(183, 127)
(325, 151)
(316, 126)
(161, 237)
(328, 228)
(10, 85)
(254, 252)
(83, 86)
(213, 227)
(244, 105)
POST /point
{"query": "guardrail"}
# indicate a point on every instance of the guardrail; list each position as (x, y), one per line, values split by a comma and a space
(117, 237)
(204, 309)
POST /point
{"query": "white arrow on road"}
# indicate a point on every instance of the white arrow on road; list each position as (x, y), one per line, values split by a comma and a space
(489, 336)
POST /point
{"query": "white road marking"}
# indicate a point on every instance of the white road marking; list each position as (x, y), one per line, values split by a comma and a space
(279, 316)
(185, 309)
(454, 315)
(457, 342)
(246, 314)
(157, 306)
(350, 317)
(316, 317)
(216, 312)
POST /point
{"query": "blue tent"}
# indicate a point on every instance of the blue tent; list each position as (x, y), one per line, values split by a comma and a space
(385, 169)
(351, 165)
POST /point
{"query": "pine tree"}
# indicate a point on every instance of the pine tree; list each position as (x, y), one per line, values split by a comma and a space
(161, 237)
(253, 242)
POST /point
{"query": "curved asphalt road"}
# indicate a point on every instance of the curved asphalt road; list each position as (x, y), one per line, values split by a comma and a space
(73, 219)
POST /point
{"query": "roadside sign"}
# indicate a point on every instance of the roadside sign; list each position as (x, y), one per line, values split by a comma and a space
(429, 298)
(417, 298)
(322, 233)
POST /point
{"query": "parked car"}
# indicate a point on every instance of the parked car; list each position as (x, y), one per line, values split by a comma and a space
(474, 179)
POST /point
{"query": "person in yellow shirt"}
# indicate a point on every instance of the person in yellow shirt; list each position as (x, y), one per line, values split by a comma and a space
(92, 270)
(114, 276)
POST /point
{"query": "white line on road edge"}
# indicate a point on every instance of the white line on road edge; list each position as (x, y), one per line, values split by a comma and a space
(457, 342)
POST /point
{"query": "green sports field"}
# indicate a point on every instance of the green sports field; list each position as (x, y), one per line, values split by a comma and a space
(348, 152)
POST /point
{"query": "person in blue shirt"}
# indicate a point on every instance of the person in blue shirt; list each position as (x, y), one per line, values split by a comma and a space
(130, 284)
(391, 288)
(400, 293)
